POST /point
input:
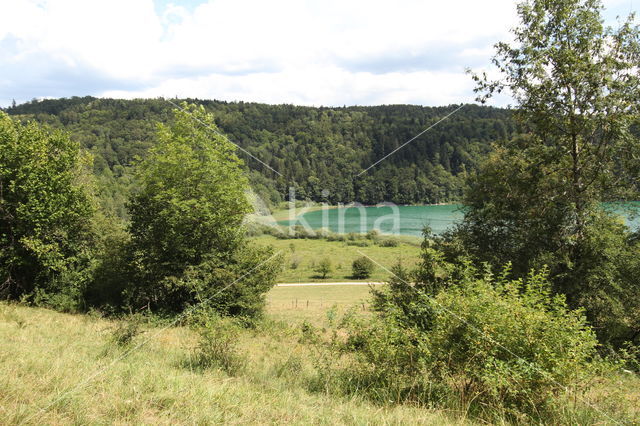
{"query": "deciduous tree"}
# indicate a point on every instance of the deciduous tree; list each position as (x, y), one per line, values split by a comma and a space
(187, 239)
(45, 209)
(538, 199)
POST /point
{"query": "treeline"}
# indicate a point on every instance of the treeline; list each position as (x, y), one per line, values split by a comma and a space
(319, 151)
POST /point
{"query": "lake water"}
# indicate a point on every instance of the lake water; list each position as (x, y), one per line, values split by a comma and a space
(403, 220)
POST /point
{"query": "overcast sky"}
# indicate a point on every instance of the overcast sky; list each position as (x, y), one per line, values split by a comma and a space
(329, 52)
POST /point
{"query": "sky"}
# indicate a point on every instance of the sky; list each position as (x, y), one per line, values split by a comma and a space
(329, 52)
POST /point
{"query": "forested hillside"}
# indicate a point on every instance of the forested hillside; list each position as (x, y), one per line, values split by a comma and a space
(320, 151)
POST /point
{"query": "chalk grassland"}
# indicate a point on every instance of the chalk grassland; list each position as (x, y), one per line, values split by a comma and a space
(43, 354)
(302, 255)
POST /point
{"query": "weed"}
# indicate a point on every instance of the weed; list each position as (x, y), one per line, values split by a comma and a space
(126, 331)
(218, 347)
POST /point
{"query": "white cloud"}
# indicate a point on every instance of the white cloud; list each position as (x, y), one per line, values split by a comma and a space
(319, 86)
(330, 52)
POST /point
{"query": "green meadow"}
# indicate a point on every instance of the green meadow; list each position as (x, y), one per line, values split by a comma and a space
(301, 256)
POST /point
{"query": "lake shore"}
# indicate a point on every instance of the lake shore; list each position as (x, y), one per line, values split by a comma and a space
(283, 213)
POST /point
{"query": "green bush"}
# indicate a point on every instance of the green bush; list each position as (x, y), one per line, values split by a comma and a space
(279, 233)
(126, 331)
(628, 357)
(253, 229)
(234, 285)
(358, 243)
(300, 232)
(218, 346)
(388, 242)
(510, 343)
(362, 267)
(335, 237)
(295, 262)
(372, 235)
(486, 343)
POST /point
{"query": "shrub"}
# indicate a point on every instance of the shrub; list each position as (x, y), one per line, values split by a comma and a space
(363, 243)
(253, 229)
(510, 343)
(505, 344)
(322, 233)
(309, 333)
(218, 346)
(295, 262)
(126, 331)
(628, 357)
(372, 235)
(362, 267)
(335, 237)
(323, 268)
(234, 285)
(279, 233)
(388, 242)
(299, 231)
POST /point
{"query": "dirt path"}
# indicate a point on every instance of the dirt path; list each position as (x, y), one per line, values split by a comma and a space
(319, 284)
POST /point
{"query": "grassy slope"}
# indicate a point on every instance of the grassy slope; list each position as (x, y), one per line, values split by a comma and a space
(308, 252)
(44, 354)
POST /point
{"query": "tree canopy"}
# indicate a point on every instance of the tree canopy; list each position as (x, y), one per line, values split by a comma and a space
(45, 207)
(538, 197)
(187, 242)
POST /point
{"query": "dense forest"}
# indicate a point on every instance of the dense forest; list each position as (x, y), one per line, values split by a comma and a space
(319, 151)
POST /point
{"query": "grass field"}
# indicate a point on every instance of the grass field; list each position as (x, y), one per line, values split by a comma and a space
(296, 304)
(62, 369)
(65, 369)
(306, 253)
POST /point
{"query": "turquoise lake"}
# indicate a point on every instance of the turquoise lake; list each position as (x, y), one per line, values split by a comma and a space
(403, 220)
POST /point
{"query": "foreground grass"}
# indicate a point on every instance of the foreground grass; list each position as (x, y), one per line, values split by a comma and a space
(61, 369)
(302, 255)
